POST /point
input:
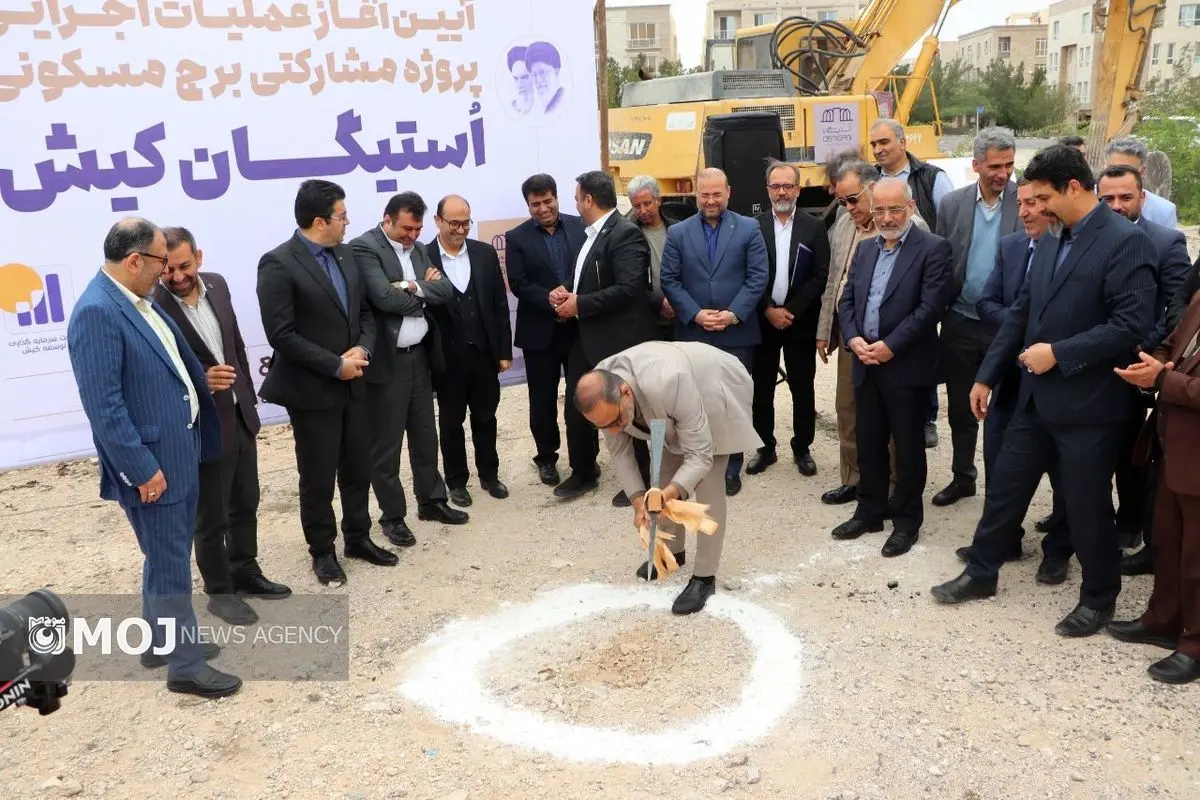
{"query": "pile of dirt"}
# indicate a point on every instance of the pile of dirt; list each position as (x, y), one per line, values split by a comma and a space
(637, 670)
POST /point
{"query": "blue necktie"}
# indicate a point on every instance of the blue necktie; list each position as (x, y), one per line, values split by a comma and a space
(335, 276)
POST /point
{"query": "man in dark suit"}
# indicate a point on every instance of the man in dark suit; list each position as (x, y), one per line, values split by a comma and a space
(1172, 617)
(540, 259)
(972, 219)
(477, 340)
(402, 287)
(610, 297)
(797, 267)
(153, 421)
(714, 273)
(1088, 302)
(316, 317)
(889, 311)
(227, 514)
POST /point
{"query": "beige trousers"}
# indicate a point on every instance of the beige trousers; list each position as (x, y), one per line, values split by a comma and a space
(847, 421)
(711, 492)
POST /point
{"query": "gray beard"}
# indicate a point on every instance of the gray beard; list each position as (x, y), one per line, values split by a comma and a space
(1055, 230)
(783, 207)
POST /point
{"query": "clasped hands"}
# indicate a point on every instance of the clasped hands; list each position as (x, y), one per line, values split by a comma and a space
(1144, 374)
(353, 362)
(564, 303)
(713, 320)
(872, 354)
(654, 500)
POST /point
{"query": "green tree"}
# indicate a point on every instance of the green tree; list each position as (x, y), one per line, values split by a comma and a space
(1171, 123)
(616, 79)
(669, 69)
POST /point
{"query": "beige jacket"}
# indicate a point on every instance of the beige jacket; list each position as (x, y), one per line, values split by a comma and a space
(703, 393)
(844, 237)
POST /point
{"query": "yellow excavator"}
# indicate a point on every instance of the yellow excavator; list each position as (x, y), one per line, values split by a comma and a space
(828, 81)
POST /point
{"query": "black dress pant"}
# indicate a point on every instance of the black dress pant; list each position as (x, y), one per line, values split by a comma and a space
(800, 362)
(471, 382)
(891, 413)
(1131, 479)
(404, 405)
(583, 440)
(226, 540)
(1083, 457)
(333, 444)
(543, 370)
(964, 344)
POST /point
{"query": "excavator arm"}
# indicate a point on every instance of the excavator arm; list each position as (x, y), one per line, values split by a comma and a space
(1122, 58)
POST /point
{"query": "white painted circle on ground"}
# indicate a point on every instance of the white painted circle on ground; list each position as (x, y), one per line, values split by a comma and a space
(447, 680)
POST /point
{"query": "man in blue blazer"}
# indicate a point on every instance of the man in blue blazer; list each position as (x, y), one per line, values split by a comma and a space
(153, 421)
(1087, 304)
(714, 272)
(889, 311)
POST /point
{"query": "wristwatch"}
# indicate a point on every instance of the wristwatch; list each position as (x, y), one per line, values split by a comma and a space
(736, 321)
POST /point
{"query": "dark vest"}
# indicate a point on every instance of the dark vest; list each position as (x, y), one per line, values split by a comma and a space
(470, 331)
(921, 177)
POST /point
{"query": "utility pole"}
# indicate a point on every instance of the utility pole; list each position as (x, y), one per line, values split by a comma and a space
(601, 29)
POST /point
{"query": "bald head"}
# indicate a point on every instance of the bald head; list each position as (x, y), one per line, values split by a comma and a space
(135, 253)
(605, 399)
(453, 218)
(712, 193)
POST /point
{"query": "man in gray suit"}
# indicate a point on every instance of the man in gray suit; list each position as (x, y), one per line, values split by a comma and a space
(714, 272)
(974, 219)
(705, 395)
(400, 282)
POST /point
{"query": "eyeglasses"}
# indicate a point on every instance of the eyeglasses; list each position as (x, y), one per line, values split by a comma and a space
(781, 187)
(615, 423)
(458, 224)
(343, 218)
(163, 260)
(851, 200)
(886, 211)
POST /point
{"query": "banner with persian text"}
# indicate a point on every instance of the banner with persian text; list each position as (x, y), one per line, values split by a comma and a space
(210, 114)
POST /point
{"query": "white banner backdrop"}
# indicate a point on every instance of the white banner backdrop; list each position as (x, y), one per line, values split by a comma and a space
(210, 114)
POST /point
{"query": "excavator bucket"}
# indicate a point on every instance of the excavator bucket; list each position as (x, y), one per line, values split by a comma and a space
(1158, 174)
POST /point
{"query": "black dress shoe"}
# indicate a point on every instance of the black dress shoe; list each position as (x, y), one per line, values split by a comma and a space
(1139, 563)
(964, 554)
(805, 464)
(328, 570)
(495, 488)
(733, 485)
(398, 533)
(931, 435)
(208, 650)
(575, 485)
(1083, 621)
(256, 585)
(694, 596)
(964, 588)
(680, 559)
(208, 682)
(762, 459)
(460, 497)
(1134, 632)
(1052, 571)
(232, 609)
(1046, 524)
(840, 496)
(1175, 668)
(621, 500)
(368, 551)
(855, 527)
(439, 511)
(956, 491)
(899, 543)
(548, 474)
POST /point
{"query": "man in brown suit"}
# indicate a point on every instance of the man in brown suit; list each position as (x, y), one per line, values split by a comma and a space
(226, 539)
(1172, 618)
(705, 395)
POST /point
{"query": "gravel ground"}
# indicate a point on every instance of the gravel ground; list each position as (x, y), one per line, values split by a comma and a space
(900, 697)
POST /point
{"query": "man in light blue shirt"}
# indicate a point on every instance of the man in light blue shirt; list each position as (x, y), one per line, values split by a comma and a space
(1129, 151)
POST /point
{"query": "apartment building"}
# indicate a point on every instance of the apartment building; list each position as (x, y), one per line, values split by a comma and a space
(1022, 39)
(724, 17)
(1074, 53)
(640, 29)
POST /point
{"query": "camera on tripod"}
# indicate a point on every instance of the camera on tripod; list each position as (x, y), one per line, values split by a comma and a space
(35, 661)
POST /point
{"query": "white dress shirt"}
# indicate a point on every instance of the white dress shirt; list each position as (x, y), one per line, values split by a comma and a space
(592, 232)
(204, 319)
(412, 329)
(456, 266)
(783, 248)
(167, 338)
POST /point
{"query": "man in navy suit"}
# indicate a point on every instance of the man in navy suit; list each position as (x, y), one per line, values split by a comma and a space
(1087, 304)
(714, 272)
(539, 257)
(889, 312)
(153, 421)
